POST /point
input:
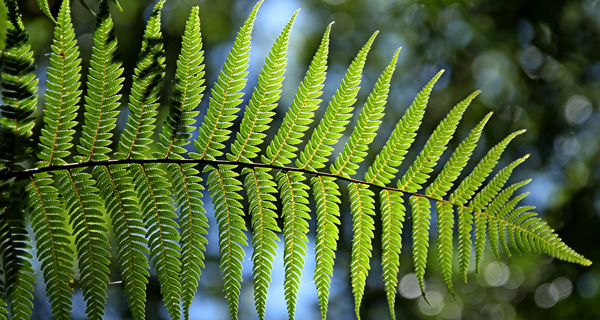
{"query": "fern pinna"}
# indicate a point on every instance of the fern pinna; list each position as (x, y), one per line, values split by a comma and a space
(153, 200)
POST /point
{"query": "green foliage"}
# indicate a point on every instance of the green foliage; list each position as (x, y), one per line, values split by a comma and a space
(75, 188)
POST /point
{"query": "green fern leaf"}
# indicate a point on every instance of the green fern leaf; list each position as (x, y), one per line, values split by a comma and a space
(52, 243)
(3, 310)
(503, 214)
(291, 184)
(116, 187)
(163, 237)
(145, 93)
(283, 147)
(367, 124)
(16, 266)
(154, 189)
(362, 206)
(527, 233)
(384, 167)
(326, 191)
(61, 96)
(445, 211)
(380, 172)
(482, 199)
(392, 218)
(336, 116)
(76, 187)
(19, 87)
(188, 89)
(258, 113)
(226, 94)
(295, 227)
(259, 183)
(223, 182)
(465, 191)
(418, 174)
(493, 209)
(229, 211)
(43, 4)
(104, 85)
(264, 227)
(319, 147)
(327, 198)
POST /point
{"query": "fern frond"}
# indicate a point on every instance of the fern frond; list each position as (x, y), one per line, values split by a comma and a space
(48, 223)
(327, 198)
(145, 92)
(116, 187)
(16, 266)
(326, 190)
(259, 183)
(3, 310)
(43, 4)
(384, 167)
(493, 209)
(503, 214)
(258, 114)
(81, 197)
(154, 189)
(104, 84)
(223, 182)
(261, 188)
(532, 234)
(419, 171)
(76, 187)
(19, 86)
(465, 191)
(421, 214)
(188, 90)
(482, 199)
(392, 218)
(163, 236)
(362, 206)
(295, 227)
(283, 146)
(418, 174)
(52, 243)
(367, 124)
(445, 212)
(224, 188)
(291, 184)
(380, 172)
(292, 187)
(226, 94)
(336, 116)
(62, 94)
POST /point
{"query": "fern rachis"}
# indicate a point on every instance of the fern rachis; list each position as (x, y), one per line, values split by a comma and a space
(140, 196)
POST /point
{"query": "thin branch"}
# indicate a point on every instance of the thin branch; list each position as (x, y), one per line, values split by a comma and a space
(70, 166)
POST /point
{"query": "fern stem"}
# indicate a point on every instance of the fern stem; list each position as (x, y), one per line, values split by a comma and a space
(70, 166)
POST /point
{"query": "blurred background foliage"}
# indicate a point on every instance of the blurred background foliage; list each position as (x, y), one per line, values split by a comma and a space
(538, 66)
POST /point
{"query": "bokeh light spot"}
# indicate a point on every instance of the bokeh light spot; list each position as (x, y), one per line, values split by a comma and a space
(409, 286)
(578, 109)
(546, 295)
(564, 287)
(495, 275)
